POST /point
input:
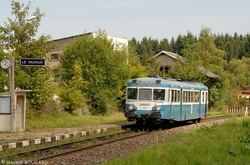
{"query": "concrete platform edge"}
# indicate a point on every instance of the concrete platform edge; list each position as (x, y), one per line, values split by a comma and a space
(43, 140)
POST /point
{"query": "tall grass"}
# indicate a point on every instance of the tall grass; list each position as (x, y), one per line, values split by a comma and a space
(67, 120)
(227, 143)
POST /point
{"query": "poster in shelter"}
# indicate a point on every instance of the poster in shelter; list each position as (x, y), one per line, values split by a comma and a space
(4, 105)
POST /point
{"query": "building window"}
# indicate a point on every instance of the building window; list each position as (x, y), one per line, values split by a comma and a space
(165, 69)
(54, 57)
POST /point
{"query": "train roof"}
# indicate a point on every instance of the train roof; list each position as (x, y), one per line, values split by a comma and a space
(170, 83)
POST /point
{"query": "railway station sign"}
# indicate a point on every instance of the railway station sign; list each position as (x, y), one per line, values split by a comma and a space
(32, 61)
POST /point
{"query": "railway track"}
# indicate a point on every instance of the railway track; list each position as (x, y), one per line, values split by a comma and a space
(47, 154)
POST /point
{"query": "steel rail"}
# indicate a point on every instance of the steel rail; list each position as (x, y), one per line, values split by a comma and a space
(92, 146)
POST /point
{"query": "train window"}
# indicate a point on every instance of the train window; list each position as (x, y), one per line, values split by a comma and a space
(172, 96)
(145, 94)
(185, 96)
(196, 96)
(175, 96)
(178, 96)
(204, 97)
(206, 94)
(159, 94)
(189, 96)
(132, 93)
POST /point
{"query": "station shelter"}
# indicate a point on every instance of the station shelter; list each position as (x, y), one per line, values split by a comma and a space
(13, 119)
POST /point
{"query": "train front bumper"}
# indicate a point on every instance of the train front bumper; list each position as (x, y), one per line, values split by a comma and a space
(131, 116)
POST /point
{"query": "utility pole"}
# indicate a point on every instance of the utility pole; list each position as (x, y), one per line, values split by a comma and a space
(12, 87)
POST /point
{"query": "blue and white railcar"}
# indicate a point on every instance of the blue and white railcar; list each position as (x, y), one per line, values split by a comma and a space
(157, 100)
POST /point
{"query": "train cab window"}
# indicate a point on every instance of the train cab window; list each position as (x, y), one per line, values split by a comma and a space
(159, 94)
(145, 94)
(132, 93)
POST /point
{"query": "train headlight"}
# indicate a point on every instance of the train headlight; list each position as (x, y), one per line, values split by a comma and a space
(156, 108)
(132, 108)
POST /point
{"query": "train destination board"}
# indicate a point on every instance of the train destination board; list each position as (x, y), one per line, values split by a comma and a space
(32, 62)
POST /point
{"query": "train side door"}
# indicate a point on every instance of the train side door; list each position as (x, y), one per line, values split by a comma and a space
(181, 108)
(170, 102)
(175, 100)
(200, 102)
(206, 102)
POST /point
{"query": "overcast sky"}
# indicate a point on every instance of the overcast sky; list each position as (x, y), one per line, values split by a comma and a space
(157, 19)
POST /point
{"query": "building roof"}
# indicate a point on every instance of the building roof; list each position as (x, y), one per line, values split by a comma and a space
(78, 35)
(245, 92)
(118, 42)
(246, 86)
(177, 56)
(170, 54)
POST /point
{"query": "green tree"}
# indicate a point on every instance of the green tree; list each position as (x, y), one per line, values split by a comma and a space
(205, 54)
(246, 48)
(239, 72)
(164, 45)
(179, 45)
(104, 69)
(146, 49)
(20, 34)
(187, 71)
(172, 45)
(72, 95)
(134, 63)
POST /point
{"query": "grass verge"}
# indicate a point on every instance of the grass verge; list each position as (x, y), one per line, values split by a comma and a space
(67, 121)
(227, 143)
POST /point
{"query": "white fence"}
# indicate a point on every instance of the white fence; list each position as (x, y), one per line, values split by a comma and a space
(239, 109)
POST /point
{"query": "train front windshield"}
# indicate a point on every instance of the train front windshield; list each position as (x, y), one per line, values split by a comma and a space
(132, 93)
(145, 94)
